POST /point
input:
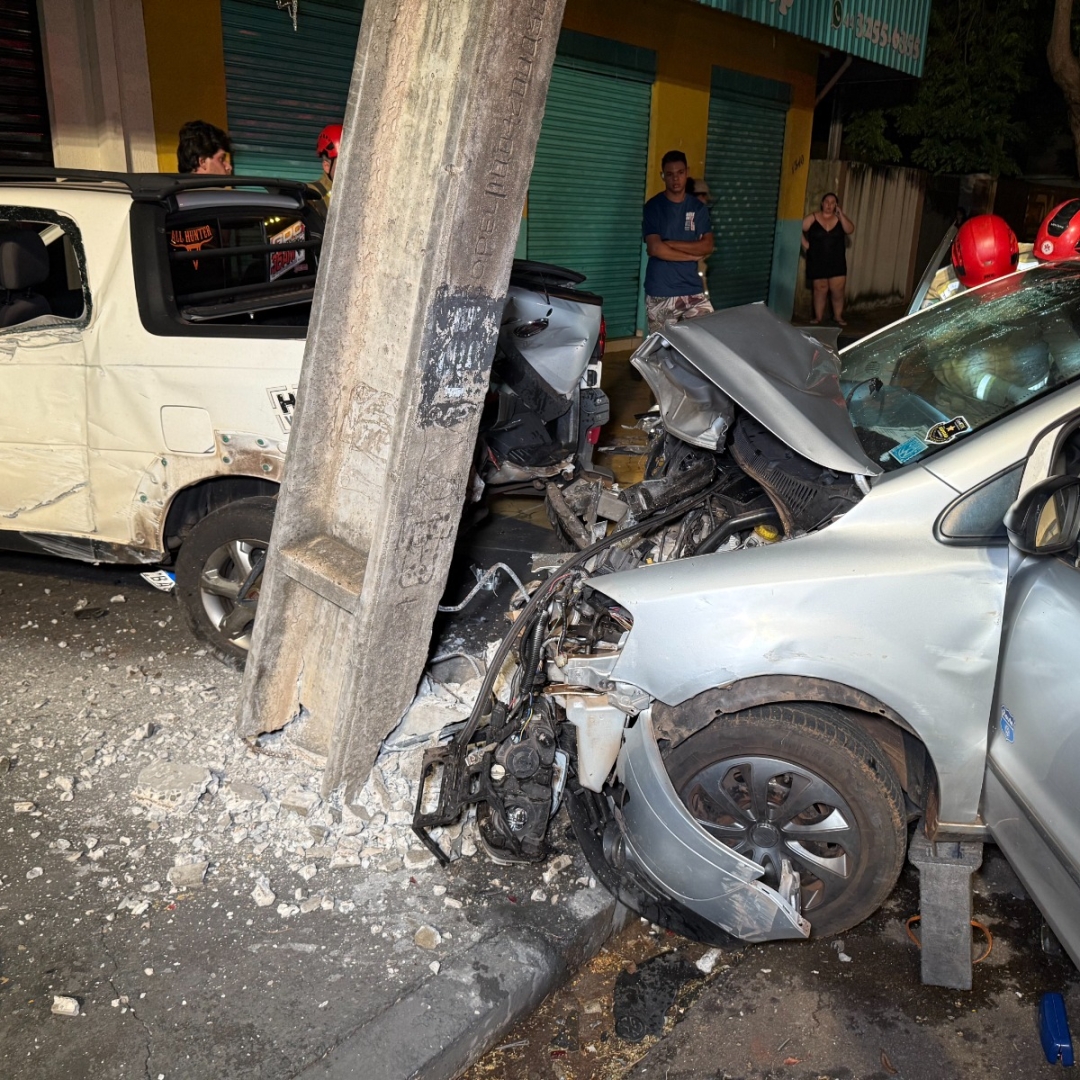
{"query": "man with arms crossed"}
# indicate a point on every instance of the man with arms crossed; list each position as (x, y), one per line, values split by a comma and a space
(678, 233)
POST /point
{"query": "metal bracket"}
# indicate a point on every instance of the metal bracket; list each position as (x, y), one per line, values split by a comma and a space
(945, 870)
(290, 6)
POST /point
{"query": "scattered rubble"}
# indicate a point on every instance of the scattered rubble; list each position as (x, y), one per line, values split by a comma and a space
(172, 786)
(64, 1006)
(427, 937)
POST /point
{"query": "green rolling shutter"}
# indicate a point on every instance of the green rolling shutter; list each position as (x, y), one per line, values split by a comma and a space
(588, 182)
(284, 86)
(744, 154)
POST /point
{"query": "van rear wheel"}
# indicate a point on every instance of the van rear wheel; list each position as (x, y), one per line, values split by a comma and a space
(219, 575)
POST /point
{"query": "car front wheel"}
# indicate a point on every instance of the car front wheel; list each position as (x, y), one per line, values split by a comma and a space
(800, 783)
(219, 574)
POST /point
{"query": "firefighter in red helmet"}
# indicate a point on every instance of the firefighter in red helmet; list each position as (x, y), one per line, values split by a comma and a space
(327, 148)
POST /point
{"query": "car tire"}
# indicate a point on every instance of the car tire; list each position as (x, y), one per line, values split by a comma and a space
(215, 560)
(805, 783)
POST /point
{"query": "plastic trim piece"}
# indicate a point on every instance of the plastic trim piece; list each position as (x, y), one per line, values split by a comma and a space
(700, 873)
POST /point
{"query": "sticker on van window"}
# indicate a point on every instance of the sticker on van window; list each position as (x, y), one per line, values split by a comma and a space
(281, 262)
(907, 451)
(283, 402)
(1008, 725)
(945, 432)
(195, 238)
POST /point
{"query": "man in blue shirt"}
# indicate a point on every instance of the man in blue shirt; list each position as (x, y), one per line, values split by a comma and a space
(678, 233)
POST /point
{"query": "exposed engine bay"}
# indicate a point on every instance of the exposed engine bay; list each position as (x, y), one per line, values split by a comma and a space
(553, 721)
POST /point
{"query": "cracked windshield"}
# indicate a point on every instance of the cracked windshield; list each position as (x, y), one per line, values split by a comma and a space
(926, 382)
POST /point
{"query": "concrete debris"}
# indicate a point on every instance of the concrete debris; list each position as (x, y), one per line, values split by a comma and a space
(5, 763)
(64, 1006)
(300, 801)
(308, 872)
(287, 911)
(24, 808)
(188, 875)
(262, 894)
(708, 961)
(538, 896)
(142, 732)
(555, 867)
(119, 598)
(427, 937)
(345, 858)
(450, 902)
(36, 872)
(172, 786)
(434, 966)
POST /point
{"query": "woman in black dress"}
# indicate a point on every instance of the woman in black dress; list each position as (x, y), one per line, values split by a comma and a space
(824, 234)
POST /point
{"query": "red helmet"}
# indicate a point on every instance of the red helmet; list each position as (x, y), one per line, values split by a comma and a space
(329, 141)
(1059, 234)
(985, 248)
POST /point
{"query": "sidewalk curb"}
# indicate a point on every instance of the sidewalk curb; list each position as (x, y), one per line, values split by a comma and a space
(444, 1025)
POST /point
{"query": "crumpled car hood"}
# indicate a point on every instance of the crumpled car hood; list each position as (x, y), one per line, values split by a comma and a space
(786, 380)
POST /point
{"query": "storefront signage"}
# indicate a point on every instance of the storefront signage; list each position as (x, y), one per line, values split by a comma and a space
(889, 32)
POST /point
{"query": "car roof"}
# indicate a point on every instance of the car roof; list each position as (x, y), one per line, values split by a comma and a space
(159, 187)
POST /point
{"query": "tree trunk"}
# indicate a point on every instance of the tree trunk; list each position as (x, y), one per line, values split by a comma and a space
(1065, 67)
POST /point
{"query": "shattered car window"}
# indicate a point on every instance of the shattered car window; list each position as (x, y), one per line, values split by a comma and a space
(955, 368)
(63, 288)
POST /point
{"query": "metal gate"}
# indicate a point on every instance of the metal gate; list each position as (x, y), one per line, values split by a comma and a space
(282, 85)
(747, 117)
(588, 183)
(24, 110)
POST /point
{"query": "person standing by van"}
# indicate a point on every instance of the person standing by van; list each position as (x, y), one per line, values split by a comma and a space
(204, 150)
(678, 233)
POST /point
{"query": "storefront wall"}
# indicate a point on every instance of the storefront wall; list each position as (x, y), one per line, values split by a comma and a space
(188, 81)
(187, 69)
(691, 40)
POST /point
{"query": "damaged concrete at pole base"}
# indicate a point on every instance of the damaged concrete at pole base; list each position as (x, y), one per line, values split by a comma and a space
(444, 113)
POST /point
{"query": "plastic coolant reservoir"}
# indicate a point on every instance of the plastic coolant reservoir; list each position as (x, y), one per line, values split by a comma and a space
(599, 736)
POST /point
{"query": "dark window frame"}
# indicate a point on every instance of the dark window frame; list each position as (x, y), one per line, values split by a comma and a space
(154, 291)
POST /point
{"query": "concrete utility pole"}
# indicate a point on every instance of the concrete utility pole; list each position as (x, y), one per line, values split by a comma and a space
(440, 132)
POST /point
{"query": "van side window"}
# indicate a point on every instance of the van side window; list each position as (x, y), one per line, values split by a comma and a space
(42, 281)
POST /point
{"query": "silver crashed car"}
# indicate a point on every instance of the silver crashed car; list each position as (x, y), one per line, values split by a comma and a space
(844, 598)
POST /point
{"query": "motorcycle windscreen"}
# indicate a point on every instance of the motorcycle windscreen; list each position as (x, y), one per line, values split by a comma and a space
(784, 379)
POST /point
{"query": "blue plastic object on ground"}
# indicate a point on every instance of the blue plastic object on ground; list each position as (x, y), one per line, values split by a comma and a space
(1054, 1030)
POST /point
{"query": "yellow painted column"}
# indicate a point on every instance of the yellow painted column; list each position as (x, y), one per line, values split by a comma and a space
(187, 69)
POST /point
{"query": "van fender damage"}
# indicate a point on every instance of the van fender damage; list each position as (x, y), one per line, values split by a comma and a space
(710, 879)
(234, 454)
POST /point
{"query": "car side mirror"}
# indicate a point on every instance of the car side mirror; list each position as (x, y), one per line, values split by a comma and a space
(1045, 520)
